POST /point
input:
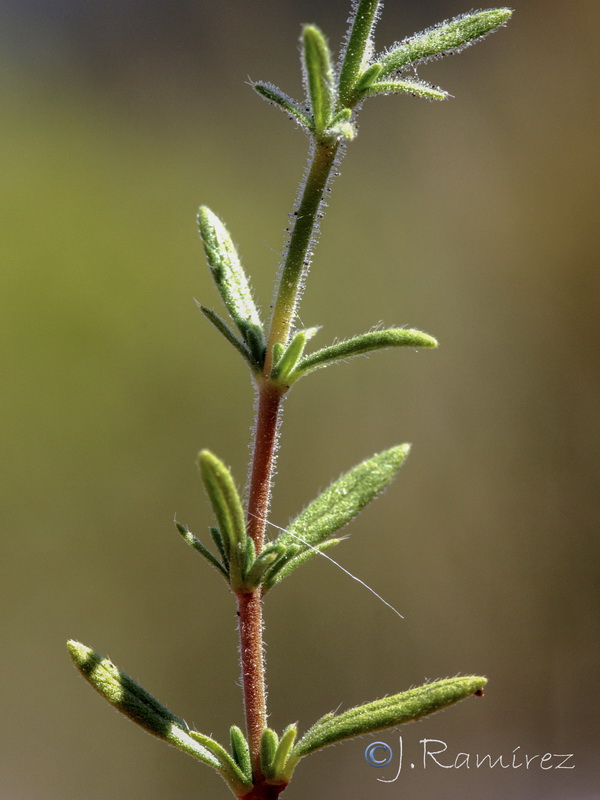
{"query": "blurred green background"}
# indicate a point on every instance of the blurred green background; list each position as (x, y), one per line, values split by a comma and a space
(475, 220)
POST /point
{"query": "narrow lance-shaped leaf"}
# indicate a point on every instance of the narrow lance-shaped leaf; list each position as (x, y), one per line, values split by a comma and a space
(385, 713)
(228, 510)
(288, 358)
(443, 39)
(131, 699)
(268, 747)
(268, 558)
(283, 751)
(228, 274)
(189, 537)
(274, 95)
(368, 77)
(218, 540)
(346, 496)
(358, 47)
(226, 331)
(358, 345)
(241, 750)
(414, 88)
(318, 76)
(230, 769)
(285, 567)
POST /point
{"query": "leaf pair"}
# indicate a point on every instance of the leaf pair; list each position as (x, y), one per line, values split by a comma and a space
(310, 533)
(234, 288)
(275, 754)
(278, 757)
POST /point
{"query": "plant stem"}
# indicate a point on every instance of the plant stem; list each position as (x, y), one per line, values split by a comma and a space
(298, 253)
(253, 673)
(268, 413)
(263, 457)
(250, 604)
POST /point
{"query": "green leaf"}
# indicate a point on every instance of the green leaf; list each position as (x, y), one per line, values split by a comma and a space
(249, 556)
(340, 132)
(368, 77)
(230, 770)
(268, 747)
(291, 355)
(287, 554)
(358, 48)
(340, 127)
(357, 345)
(385, 713)
(228, 510)
(274, 95)
(189, 537)
(283, 751)
(228, 274)
(445, 38)
(223, 328)
(345, 497)
(267, 559)
(241, 750)
(131, 699)
(282, 570)
(318, 76)
(415, 88)
(218, 540)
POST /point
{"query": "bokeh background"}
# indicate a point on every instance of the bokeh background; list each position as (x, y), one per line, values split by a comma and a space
(475, 220)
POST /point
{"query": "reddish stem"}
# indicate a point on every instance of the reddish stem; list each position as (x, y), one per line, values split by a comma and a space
(250, 604)
(265, 791)
(265, 441)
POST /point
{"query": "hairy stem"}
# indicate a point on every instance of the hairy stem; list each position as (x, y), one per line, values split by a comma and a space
(268, 414)
(263, 458)
(250, 604)
(253, 673)
(298, 254)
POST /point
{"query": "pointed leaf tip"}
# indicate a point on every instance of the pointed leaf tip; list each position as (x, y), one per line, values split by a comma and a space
(275, 96)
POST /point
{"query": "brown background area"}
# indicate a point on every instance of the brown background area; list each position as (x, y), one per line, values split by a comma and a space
(475, 220)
